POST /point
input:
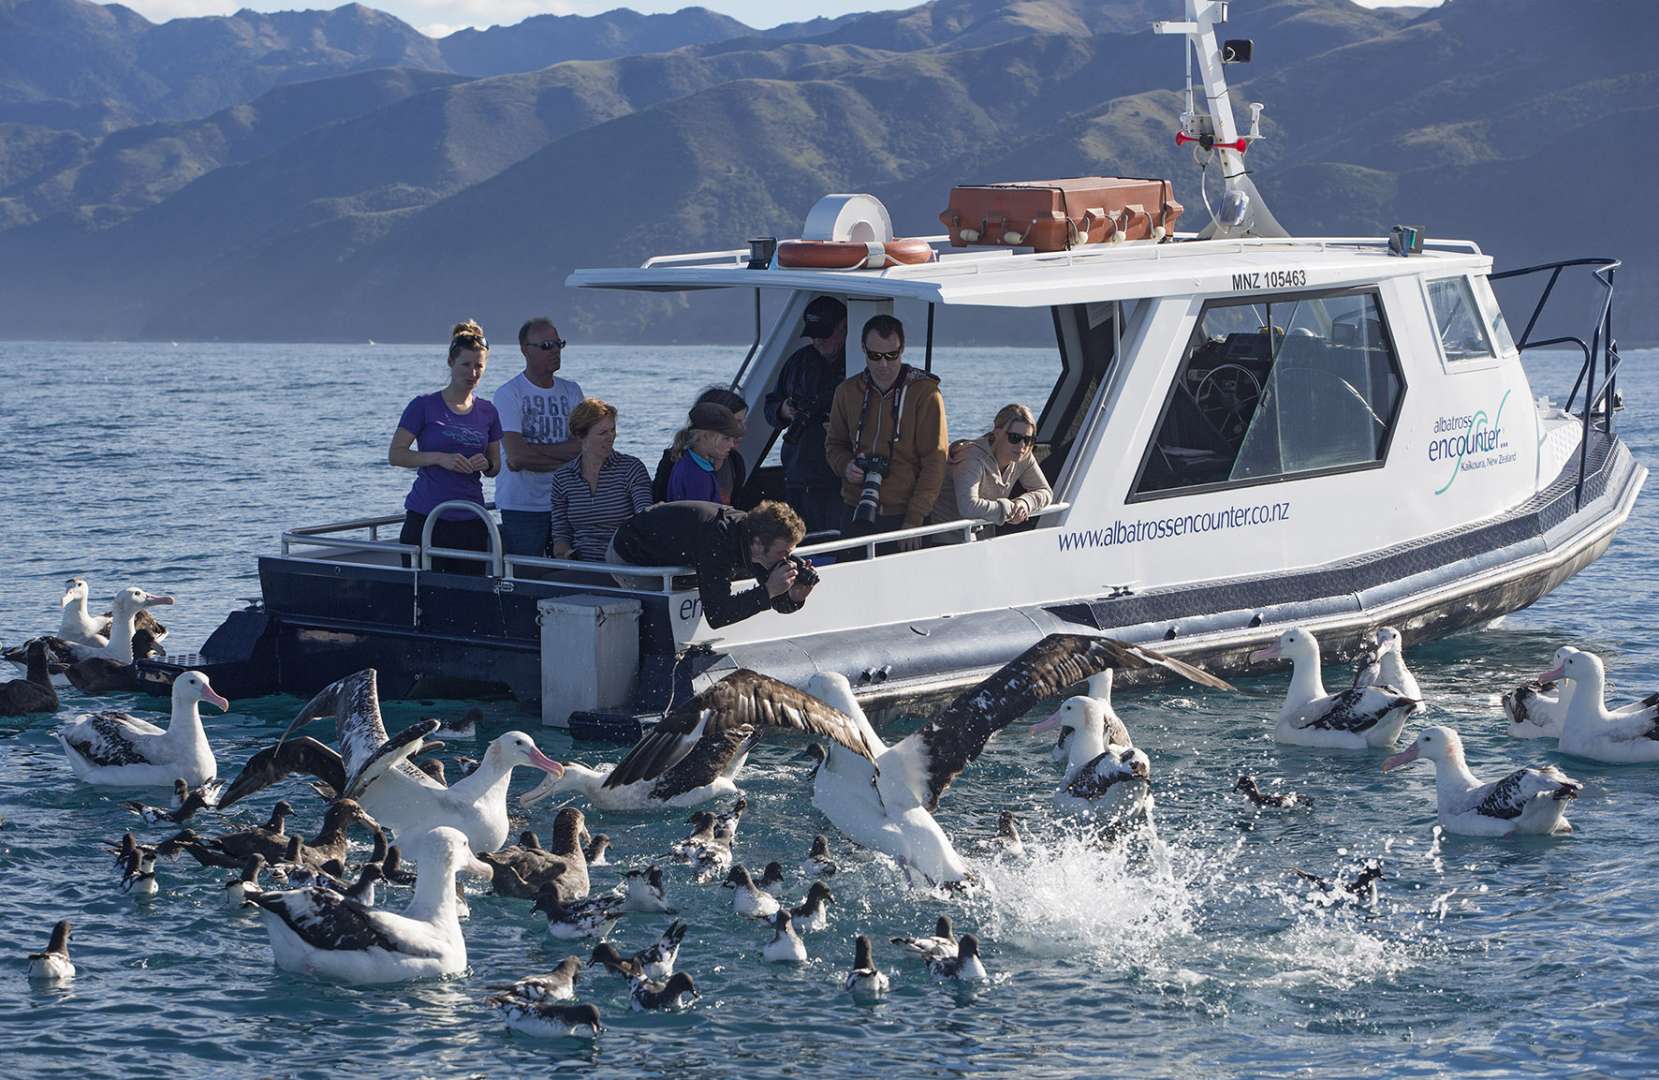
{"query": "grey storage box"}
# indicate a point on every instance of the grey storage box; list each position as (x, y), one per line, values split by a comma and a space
(589, 654)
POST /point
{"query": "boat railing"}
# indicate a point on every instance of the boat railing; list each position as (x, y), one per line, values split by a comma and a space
(318, 541)
(1601, 345)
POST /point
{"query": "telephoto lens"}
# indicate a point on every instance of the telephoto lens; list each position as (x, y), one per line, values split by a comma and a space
(869, 499)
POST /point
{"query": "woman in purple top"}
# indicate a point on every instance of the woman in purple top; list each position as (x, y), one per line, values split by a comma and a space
(459, 440)
(713, 433)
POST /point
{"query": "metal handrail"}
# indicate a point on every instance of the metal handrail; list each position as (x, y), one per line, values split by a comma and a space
(1601, 340)
(966, 526)
(494, 557)
(506, 564)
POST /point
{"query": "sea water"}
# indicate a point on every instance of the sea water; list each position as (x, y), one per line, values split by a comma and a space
(1201, 954)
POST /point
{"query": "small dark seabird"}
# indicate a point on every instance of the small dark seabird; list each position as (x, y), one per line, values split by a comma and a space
(786, 946)
(865, 982)
(557, 985)
(770, 877)
(965, 966)
(34, 692)
(1362, 885)
(392, 867)
(186, 801)
(1007, 839)
(708, 849)
(595, 851)
(53, 965)
(670, 993)
(138, 878)
(747, 898)
(655, 961)
(812, 914)
(239, 891)
(818, 862)
(644, 891)
(1281, 801)
(941, 944)
(592, 917)
(546, 1019)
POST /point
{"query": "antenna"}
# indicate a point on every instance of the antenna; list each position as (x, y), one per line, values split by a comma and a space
(1214, 131)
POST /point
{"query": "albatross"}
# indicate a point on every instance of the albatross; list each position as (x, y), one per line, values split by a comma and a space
(316, 931)
(886, 801)
(1354, 719)
(374, 768)
(120, 750)
(1629, 736)
(1530, 801)
(696, 751)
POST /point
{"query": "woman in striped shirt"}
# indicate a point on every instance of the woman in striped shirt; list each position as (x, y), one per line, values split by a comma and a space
(598, 489)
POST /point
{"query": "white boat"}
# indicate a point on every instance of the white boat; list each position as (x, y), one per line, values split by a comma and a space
(1249, 431)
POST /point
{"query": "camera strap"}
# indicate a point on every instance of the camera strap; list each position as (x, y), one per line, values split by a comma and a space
(901, 384)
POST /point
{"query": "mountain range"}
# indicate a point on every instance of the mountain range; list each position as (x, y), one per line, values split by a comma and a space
(338, 175)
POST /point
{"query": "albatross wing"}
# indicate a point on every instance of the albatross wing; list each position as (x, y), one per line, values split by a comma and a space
(937, 753)
(742, 699)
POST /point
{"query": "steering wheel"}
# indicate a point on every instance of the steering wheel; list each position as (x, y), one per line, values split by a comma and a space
(1226, 398)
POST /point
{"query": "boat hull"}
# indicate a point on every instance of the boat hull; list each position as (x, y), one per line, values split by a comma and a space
(452, 635)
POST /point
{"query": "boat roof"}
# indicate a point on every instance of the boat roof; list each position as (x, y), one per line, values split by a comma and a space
(1005, 277)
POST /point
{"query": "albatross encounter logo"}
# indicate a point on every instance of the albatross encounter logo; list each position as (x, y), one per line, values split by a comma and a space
(1470, 442)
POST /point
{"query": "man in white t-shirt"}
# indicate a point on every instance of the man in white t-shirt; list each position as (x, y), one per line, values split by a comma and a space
(534, 406)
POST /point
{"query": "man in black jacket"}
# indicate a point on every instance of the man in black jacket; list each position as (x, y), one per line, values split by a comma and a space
(723, 545)
(800, 404)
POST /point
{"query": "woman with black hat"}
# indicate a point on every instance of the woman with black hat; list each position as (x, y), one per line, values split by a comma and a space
(700, 453)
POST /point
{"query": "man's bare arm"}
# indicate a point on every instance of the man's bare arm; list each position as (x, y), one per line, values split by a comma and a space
(525, 456)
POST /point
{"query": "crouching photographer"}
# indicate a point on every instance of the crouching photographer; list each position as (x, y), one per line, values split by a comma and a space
(887, 438)
(725, 547)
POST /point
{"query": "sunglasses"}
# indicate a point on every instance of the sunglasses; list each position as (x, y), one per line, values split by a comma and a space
(1015, 439)
(556, 343)
(884, 357)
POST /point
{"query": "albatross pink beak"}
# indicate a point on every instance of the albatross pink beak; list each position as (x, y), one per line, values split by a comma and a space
(1554, 673)
(1269, 653)
(1045, 725)
(545, 763)
(213, 697)
(151, 600)
(1409, 754)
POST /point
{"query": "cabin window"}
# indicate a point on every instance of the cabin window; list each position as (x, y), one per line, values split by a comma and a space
(1493, 315)
(1462, 332)
(1272, 388)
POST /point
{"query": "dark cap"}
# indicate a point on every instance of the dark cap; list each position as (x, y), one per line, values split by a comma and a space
(707, 416)
(823, 315)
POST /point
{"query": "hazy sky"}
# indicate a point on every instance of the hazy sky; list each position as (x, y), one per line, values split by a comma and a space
(438, 17)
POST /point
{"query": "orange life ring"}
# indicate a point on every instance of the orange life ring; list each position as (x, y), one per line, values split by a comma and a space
(848, 255)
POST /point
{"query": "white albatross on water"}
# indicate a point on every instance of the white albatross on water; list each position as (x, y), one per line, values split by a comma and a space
(887, 803)
(374, 769)
(315, 931)
(116, 749)
(1531, 801)
(1627, 737)
(1538, 708)
(1107, 777)
(1384, 664)
(1354, 719)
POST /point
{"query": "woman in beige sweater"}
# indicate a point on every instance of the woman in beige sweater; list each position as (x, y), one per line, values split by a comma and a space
(985, 470)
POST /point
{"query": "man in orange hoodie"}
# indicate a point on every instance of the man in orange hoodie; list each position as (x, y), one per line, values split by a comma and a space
(888, 413)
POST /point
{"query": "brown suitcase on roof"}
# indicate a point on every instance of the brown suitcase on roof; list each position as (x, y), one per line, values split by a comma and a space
(1054, 215)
